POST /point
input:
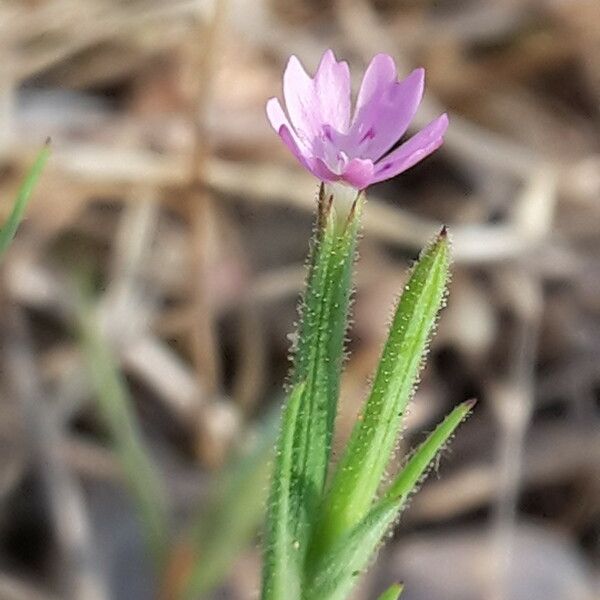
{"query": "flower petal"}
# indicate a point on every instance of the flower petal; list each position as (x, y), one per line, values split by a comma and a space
(317, 127)
(276, 114)
(385, 107)
(412, 151)
(301, 100)
(320, 169)
(332, 85)
(291, 141)
(379, 76)
(315, 165)
(359, 173)
(277, 118)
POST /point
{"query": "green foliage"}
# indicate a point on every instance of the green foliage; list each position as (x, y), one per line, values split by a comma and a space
(9, 229)
(361, 468)
(333, 575)
(115, 406)
(320, 537)
(414, 469)
(392, 593)
(282, 563)
(318, 359)
(222, 529)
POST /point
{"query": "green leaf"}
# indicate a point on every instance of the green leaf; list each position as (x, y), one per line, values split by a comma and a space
(281, 567)
(337, 570)
(392, 593)
(115, 407)
(319, 356)
(413, 471)
(236, 508)
(361, 468)
(8, 231)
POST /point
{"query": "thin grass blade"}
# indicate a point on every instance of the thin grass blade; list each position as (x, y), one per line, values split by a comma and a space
(115, 406)
(236, 509)
(9, 229)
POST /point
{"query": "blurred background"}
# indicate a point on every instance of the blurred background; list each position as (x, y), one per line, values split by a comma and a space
(147, 302)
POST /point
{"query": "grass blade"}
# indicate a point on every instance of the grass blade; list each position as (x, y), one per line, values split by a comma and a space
(236, 509)
(114, 404)
(8, 231)
(371, 445)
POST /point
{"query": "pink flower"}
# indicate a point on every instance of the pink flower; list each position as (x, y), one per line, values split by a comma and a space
(337, 146)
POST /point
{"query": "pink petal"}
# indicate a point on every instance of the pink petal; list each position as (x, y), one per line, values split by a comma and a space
(301, 100)
(332, 85)
(317, 128)
(359, 173)
(277, 118)
(385, 107)
(276, 114)
(320, 170)
(290, 140)
(380, 75)
(412, 151)
(279, 122)
(315, 165)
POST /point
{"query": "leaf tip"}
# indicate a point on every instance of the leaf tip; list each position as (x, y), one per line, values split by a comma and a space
(470, 404)
(443, 232)
(393, 592)
(48, 142)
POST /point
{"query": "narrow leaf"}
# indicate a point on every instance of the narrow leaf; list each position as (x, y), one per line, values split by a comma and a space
(393, 592)
(281, 567)
(115, 407)
(337, 570)
(414, 469)
(236, 507)
(9, 229)
(371, 445)
(319, 357)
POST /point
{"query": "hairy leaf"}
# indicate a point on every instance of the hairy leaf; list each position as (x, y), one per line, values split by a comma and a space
(319, 357)
(414, 469)
(337, 570)
(371, 445)
(393, 592)
(281, 567)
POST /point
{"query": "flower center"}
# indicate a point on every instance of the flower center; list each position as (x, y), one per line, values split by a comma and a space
(329, 143)
(337, 149)
(368, 136)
